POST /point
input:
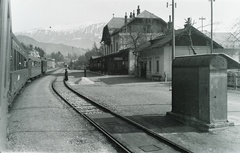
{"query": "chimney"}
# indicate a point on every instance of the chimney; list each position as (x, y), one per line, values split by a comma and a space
(169, 24)
(138, 10)
(188, 23)
(125, 18)
(133, 14)
(130, 15)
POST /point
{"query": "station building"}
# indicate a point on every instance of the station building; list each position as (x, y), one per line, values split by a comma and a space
(121, 37)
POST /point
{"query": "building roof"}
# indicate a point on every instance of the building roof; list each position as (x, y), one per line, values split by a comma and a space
(118, 22)
(146, 14)
(121, 53)
(143, 15)
(115, 23)
(164, 39)
(94, 57)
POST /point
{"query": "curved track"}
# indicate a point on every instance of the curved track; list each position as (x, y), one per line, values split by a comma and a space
(88, 109)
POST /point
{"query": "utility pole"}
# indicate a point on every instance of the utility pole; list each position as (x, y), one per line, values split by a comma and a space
(173, 30)
(173, 33)
(212, 26)
(202, 18)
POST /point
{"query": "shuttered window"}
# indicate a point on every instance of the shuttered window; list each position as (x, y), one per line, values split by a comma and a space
(150, 66)
(157, 65)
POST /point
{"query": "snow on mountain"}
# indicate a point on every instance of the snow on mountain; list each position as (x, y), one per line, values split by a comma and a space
(51, 47)
(72, 35)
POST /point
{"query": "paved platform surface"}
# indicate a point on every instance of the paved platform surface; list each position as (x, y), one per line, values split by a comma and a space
(40, 122)
(43, 124)
(147, 103)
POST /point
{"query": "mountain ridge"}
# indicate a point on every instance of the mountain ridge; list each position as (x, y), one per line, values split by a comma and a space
(81, 36)
(51, 47)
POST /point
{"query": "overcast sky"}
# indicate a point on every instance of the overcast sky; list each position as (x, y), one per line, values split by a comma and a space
(31, 14)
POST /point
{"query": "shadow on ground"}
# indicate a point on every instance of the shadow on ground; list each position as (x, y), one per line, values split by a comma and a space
(107, 79)
(76, 74)
(163, 124)
(123, 80)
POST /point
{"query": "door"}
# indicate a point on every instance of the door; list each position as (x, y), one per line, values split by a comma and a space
(143, 69)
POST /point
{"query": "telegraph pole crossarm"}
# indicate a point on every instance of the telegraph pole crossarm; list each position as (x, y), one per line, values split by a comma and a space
(202, 18)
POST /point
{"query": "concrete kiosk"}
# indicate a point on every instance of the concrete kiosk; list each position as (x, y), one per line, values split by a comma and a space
(199, 90)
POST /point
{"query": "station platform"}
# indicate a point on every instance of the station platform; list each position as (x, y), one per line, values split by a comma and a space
(147, 103)
(139, 99)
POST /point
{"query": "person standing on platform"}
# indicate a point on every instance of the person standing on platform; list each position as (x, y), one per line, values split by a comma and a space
(66, 75)
(85, 71)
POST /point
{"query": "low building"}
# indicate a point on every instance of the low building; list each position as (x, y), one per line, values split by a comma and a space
(155, 56)
(95, 63)
(51, 63)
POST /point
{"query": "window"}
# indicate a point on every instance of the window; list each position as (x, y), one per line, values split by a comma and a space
(15, 60)
(149, 28)
(150, 65)
(144, 28)
(116, 46)
(25, 62)
(12, 60)
(157, 65)
(130, 29)
(105, 51)
(19, 61)
(113, 47)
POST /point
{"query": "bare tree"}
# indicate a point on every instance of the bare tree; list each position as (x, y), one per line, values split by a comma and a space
(234, 36)
(140, 34)
(189, 24)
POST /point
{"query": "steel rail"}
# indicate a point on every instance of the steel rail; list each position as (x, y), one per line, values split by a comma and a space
(148, 131)
(119, 144)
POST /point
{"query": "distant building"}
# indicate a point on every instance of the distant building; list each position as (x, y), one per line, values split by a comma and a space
(34, 53)
(51, 63)
(233, 53)
(226, 39)
(67, 60)
(230, 43)
(95, 65)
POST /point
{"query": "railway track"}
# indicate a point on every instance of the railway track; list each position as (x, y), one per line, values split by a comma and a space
(128, 135)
